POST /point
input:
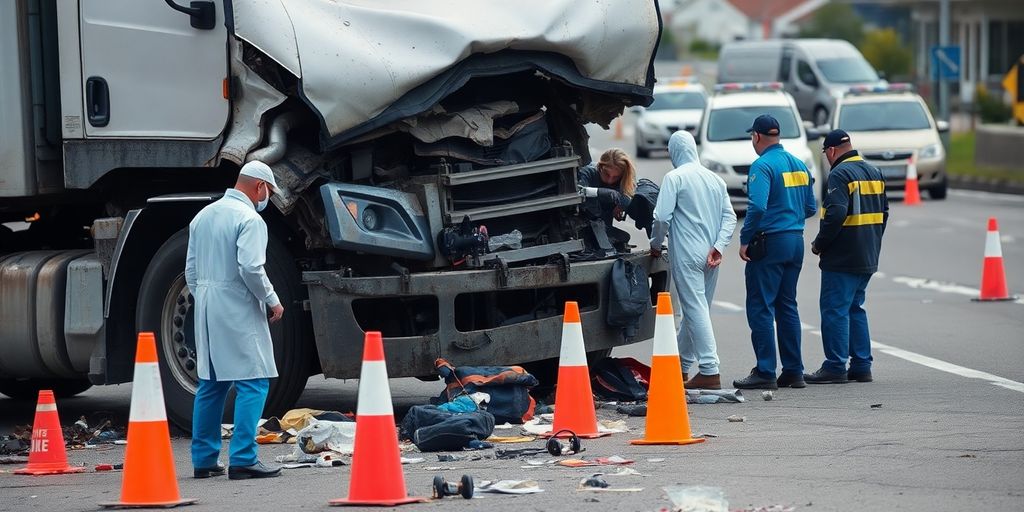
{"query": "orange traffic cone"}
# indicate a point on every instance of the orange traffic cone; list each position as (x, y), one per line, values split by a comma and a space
(376, 462)
(668, 421)
(47, 455)
(618, 128)
(149, 477)
(993, 274)
(574, 399)
(912, 194)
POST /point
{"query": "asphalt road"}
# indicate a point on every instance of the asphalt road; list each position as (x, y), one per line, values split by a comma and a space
(949, 434)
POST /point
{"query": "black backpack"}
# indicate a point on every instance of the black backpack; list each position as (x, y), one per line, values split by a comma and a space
(629, 296)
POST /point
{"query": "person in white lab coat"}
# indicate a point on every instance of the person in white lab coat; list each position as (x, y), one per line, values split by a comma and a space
(227, 248)
(694, 210)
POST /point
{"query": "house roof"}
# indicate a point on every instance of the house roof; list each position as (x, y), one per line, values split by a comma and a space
(761, 9)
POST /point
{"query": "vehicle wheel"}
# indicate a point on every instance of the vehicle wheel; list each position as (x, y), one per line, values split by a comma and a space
(28, 389)
(939, 191)
(642, 153)
(820, 116)
(165, 308)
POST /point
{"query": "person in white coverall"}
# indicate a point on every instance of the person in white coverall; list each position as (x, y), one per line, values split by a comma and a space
(227, 248)
(694, 210)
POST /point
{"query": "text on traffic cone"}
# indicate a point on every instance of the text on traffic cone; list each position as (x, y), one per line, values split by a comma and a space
(47, 455)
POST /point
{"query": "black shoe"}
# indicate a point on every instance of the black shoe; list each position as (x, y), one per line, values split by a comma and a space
(791, 380)
(217, 470)
(864, 376)
(823, 376)
(257, 470)
(755, 381)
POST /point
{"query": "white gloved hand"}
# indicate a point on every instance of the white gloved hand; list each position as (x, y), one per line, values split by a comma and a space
(588, 191)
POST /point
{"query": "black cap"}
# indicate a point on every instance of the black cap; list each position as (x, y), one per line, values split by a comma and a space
(835, 138)
(765, 125)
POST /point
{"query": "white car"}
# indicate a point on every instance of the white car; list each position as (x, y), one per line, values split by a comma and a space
(888, 125)
(723, 141)
(675, 107)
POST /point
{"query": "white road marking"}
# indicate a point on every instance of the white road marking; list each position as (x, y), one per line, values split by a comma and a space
(727, 305)
(943, 287)
(938, 364)
(987, 195)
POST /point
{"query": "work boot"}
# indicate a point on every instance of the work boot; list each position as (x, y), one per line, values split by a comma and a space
(791, 380)
(701, 381)
(862, 376)
(755, 381)
(257, 470)
(823, 376)
(217, 470)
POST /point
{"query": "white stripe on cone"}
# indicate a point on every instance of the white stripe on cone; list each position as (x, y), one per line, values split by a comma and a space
(912, 167)
(147, 394)
(665, 336)
(993, 248)
(46, 408)
(573, 352)
(374, 391)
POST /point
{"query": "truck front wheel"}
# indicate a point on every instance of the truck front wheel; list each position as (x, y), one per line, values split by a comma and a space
(165, 307)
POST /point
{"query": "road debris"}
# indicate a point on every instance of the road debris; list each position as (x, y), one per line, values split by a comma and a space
(594, 481)
(736, 418)
(510, 486)
(464, 487)
(697, 498)
(769, 508)
(511, 439)
(412, 460)
(614, 460)
(876, 406)
(768, 395)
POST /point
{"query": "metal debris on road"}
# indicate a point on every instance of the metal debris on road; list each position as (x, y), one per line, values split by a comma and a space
(768, 395)
(736, 418)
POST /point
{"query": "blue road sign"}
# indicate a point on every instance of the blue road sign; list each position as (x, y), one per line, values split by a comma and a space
(946, 63)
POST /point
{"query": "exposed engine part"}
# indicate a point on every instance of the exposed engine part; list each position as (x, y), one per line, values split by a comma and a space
(277, 140)
(464, 241)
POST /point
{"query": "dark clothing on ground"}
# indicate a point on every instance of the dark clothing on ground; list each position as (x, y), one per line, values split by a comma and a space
(854, 214)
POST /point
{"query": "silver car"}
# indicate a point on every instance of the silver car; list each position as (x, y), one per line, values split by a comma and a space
(675, 107)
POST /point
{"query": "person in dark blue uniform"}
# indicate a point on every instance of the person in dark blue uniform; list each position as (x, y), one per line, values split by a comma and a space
(855, 211)
(781, 195)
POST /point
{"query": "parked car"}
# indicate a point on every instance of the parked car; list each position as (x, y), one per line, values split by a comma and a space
(816, 72)
(724, 143)
(675, 107)
(888, 125)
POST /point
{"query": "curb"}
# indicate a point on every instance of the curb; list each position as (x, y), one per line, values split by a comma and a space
(985, 184)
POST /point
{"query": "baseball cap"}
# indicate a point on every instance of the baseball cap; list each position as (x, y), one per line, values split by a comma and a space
(835, 138)
(765, 125)
(260, 171)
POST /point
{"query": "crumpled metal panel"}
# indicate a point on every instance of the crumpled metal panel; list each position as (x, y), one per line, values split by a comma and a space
(357, 57)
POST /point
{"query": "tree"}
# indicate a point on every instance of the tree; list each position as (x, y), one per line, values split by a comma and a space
(835, 21)
(884, 50)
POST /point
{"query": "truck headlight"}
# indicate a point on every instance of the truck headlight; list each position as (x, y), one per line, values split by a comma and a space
(932, 151)
(716, 166)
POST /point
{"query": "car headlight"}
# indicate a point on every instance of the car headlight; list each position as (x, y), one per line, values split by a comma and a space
(931, 151)
(714, 166)
(647, 126)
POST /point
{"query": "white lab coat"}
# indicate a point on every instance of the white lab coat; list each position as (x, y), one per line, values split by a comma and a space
(227, 247)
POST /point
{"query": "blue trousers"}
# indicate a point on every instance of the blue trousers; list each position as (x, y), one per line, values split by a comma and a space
(771, 304)
(695, 288)
(250, 397)
(844, 323)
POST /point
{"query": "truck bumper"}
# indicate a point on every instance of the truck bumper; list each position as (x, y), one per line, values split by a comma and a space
(339, 336)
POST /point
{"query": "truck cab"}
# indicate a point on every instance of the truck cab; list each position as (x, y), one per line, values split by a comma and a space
(403, 138)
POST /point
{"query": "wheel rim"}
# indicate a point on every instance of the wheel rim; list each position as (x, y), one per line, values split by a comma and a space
(177, 321)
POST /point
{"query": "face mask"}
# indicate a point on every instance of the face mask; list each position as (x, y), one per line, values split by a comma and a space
(263, 202)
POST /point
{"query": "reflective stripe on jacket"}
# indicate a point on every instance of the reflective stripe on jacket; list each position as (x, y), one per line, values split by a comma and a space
(853, 217)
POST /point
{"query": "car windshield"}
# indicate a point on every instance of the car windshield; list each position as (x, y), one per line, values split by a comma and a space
(733, 123)
(847, 70)
(883, 116)
(677, 101)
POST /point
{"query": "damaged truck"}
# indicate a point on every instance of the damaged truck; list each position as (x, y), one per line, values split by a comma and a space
(427, 155)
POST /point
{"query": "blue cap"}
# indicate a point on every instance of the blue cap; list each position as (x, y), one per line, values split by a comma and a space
(765, 125)
(835, 138)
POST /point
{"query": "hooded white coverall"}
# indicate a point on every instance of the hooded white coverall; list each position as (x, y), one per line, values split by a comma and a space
(694, 210)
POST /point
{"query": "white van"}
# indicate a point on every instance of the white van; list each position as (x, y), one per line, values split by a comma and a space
(816, 72)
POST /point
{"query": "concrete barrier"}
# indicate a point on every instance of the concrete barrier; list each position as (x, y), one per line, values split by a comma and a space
(999, 146)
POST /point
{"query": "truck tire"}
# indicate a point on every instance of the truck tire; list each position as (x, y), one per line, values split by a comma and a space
(28, 389)
(820, 116)
(939, 191)
(165, 308)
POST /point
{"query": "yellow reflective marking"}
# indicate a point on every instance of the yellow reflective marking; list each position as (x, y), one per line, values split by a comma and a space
(856, 158)
(864, 219)
(796, 179)
(867, 187)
